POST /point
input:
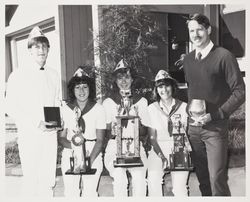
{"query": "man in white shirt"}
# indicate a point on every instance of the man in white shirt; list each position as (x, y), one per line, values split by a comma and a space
(29, 90)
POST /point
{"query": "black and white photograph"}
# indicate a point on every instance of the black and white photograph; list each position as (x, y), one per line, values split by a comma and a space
(124, 99)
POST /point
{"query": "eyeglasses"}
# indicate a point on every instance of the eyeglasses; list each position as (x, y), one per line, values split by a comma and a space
(41, 46)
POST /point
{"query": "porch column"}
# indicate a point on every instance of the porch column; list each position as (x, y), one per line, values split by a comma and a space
(213, 14)
(97, 61)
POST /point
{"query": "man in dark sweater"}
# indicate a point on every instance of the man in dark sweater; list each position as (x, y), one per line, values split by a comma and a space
(212, 74)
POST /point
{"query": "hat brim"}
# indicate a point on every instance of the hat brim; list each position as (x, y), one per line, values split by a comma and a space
(166, 81)
(121, 70)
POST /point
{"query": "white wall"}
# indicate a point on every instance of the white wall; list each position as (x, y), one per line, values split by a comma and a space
(28, 15)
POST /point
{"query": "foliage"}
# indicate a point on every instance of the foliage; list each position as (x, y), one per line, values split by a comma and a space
(128, 33)
(239, 114)
(12, 153)
(236, 139)
(236, 134)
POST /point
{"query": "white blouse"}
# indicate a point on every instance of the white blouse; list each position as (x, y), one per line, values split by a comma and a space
(111, 110)
(94, 119)
(159, 121)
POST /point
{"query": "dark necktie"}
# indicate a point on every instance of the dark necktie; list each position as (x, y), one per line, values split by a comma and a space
(42, 68)
(198, 56)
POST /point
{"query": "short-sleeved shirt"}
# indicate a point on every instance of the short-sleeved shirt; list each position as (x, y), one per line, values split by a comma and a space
(111, 110)
(94, 119)
(159, 121)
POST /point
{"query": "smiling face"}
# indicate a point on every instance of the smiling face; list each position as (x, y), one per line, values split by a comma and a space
(39, 51)
(81, 92)
(124, 81)
(165, 91)
(199, 35)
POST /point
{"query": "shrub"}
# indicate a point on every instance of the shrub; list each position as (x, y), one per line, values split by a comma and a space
(236, 133)
(12, 153)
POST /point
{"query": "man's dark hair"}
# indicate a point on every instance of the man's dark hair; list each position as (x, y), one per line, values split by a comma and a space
(200, 18)
(36, 40)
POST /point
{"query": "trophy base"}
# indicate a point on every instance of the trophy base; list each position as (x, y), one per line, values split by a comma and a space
(91, 171)
(128, 162)
(180, 162)
(169, 169)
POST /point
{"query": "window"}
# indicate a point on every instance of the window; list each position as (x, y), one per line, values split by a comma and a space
(19, 54)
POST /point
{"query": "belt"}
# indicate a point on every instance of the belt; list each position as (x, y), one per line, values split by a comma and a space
(90, 140)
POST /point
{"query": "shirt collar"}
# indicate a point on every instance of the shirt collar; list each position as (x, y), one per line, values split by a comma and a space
(163, 107)
(204, 52)
(35, 66)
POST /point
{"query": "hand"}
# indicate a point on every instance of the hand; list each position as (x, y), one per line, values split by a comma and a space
(164, 160)
(204, 119)
(63, 133)
(42, 126)
(164, 163)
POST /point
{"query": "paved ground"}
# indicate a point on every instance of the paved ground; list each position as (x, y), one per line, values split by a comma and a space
(13, 182)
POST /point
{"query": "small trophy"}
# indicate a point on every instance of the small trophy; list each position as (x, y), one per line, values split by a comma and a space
(179, 159)
(80, 159)
(127, 137)
(196, 109)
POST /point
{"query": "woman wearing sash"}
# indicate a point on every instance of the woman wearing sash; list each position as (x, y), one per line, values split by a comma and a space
(82, 114)
(161, 112)
(124, 81)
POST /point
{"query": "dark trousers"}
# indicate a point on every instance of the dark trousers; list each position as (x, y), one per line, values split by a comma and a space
(210, 144)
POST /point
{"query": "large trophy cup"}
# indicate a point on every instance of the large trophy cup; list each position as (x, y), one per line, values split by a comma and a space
(127, 137)
(80, 159)
(179, 159)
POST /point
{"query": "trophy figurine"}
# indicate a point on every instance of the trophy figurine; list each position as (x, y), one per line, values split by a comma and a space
(179, 159)
(196, 109)
(127, 133)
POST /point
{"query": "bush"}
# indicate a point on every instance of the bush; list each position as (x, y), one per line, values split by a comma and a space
(236, 133)
(12, 153)
(128, 33)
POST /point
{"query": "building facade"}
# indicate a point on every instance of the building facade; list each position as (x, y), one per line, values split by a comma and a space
(70, 28)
